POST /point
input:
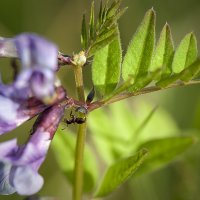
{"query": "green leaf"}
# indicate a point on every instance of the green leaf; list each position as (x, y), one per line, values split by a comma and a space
(191, 72)
(185, 54)
(101, 44)
(64, 149)
(84, 37)
(185, 75)
(106, 34)
(144, 80)
(106, 67)
(112, 20)
(113, 8)
(91, 24)
(145, 122)
(138, 57)
(120, 172)
(100, 15)
(163, 55)
(115, 130)
(168, 80)
(162, 151)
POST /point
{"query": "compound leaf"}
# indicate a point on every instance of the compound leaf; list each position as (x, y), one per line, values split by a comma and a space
(119, 172)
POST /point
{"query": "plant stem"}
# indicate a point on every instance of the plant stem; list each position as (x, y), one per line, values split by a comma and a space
(98, 104)
(80, 142)
(78, 168)
(79, 83)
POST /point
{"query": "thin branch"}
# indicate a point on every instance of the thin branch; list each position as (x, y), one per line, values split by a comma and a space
(98, 104)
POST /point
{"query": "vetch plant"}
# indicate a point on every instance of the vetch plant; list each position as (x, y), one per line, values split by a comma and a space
(36, 90)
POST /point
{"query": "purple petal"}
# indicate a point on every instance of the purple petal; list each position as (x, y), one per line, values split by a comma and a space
(39, 82)
(8, 148)
(33, 50)
(15, 112)
(19, 165)
(26, 181)
(39, 63)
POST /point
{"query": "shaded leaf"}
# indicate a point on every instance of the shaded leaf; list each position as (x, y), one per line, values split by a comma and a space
(97, 46)
(112, 20)
(106, 34)
(64, 148)
(84, 37)
(144, 80)
(138, 57)
(163, 55)
(100, 15)
(91, 24)
(168, 80)
(113, 8)
(120, 172)
(162, 151)
(191, 72)
(185, 54)
(186, 75)
(106, 67)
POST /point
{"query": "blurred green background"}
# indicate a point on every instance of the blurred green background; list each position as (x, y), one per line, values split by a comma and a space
(60, 22)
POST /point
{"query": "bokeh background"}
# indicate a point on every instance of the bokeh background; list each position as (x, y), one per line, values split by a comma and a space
(60, 22)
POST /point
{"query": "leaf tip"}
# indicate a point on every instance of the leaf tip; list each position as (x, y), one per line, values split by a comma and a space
(152, 11)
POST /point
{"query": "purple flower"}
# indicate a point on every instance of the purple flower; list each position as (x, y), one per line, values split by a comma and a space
(19, 164)
(38, 66)
(14, 112)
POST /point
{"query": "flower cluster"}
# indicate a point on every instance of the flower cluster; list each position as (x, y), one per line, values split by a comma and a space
(34, 90)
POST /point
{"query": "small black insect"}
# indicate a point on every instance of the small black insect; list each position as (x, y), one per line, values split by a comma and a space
(75, 120)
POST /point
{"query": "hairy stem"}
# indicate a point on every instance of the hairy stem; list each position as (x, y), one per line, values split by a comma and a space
(80, 141)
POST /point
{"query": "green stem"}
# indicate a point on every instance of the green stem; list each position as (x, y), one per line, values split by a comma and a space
(79, 83)
(78, 169)
(80, 142)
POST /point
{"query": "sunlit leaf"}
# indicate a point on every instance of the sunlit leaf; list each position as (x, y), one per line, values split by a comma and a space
(162, 151)
(138, 57)
(64, 149)
(106, 67)
(185, 54)
(120, 172)
(163, 55)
